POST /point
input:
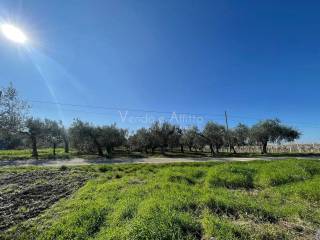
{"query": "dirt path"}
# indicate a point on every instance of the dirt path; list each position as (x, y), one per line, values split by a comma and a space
(81, 161)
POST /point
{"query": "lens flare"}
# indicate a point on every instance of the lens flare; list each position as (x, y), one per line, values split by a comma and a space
(13, 33)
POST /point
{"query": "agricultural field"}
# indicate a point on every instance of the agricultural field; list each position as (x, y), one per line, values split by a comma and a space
(250, 200)
(27, 193)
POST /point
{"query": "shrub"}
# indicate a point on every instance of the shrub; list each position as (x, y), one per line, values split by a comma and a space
(63, 168)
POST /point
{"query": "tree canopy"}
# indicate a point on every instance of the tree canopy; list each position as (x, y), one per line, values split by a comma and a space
(272, 130)
(17, 127)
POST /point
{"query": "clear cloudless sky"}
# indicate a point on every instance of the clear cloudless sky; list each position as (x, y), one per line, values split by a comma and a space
(254, 59)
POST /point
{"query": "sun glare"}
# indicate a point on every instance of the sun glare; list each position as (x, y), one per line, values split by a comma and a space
(13, 33)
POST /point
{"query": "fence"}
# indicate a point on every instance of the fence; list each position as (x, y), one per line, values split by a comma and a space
(283, 148)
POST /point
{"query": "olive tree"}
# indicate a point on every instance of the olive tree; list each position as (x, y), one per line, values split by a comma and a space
(272, 130)
(65, 137)
(110, 137)
(141, 140)
(132, 143)
(13, 113)
(189, 137)
(53, 133)
(84, 137)
(214, 134)
(239, 136)
(199, 142)
(161, 133)
(174, 139)
(34, 128)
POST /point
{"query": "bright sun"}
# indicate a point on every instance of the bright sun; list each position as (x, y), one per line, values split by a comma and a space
(13, 33)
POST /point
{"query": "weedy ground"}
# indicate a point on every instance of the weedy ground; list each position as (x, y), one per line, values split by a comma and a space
(251, 200)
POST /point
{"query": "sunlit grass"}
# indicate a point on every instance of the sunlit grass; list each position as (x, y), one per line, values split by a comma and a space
(256, 200)
(44, 153)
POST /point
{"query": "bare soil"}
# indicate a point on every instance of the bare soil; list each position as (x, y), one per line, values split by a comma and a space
(25, 195)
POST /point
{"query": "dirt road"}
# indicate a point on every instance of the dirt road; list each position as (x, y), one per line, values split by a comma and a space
(81, 161)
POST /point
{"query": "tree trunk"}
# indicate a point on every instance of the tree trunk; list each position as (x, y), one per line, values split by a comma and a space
(162, 149)
(100, 152)
(54, 149)
(181, 148)
(217, 149)
(152, 149)
(66, 146)
(212, 150)
(190, 148)
(34, 147)
(146, 150)
(264, 148)
(234, 150)
(109, 151)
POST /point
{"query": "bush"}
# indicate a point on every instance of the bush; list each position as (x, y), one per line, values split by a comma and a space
(63, 168)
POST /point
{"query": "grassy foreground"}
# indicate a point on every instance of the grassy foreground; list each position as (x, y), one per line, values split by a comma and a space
(254, 200)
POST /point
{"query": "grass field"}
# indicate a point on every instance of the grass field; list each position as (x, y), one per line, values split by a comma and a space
(253, 200)
(46, 153)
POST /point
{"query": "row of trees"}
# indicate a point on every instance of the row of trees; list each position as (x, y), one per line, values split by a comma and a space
(18, 129)
(15, 125)
(47, 132)
(214, 135)
(86, 137)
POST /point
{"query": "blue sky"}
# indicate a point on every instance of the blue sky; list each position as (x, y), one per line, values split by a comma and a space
(254, 59)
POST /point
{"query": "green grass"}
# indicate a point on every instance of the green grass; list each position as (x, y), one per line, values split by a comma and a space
(47, 153)
(254, 200)
(44, 153)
